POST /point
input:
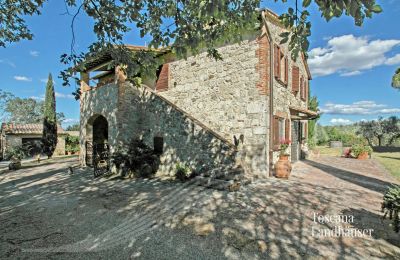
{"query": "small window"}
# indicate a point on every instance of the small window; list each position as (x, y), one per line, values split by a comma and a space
(158, 143)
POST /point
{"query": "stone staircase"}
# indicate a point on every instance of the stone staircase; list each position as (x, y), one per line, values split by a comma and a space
(231, 179)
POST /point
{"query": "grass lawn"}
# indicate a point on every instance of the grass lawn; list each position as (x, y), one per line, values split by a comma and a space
(391, 161)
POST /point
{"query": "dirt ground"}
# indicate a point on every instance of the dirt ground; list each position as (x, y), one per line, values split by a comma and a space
(47, 213)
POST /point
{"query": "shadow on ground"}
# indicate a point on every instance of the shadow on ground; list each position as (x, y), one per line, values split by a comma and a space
(47, 213)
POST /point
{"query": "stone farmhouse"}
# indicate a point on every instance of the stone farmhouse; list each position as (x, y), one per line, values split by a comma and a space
(202, 112)
(12, 135)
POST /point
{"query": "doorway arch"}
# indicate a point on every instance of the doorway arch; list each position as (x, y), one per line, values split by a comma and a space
(96, 136)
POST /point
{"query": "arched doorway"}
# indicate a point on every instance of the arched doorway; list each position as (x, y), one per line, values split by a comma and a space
(96, 138)
(100, 130)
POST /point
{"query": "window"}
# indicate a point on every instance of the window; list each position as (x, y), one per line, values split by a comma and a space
(281, 66)
(281, 130)
(158, 144)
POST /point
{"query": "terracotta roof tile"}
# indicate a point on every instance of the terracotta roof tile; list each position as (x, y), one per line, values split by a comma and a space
(13, 128)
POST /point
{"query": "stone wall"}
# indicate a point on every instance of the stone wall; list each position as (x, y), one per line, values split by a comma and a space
(16, 140)
(228, 96)
(99, 101)
(185, 138)
(283, 96)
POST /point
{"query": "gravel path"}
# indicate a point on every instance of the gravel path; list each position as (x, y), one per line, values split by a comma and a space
(47, 213)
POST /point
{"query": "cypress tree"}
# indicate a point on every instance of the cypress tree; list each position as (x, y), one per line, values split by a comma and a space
(49, 137)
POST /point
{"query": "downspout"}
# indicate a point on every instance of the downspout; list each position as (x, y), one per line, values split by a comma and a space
(271, 94)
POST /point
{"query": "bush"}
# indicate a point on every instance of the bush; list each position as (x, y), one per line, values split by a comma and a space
(391, 206)
(72, 144)
(16, 153)
(358, 149)
(183, 172)
(140, 159)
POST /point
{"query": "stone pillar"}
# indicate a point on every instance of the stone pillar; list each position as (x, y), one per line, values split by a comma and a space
(84, 82)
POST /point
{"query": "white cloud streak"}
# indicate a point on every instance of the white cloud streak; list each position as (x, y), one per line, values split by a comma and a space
(358, 108)
(349, 55)
(22, 78)
(340, 121)
(62, 95)
(10, 63)
(34, 53)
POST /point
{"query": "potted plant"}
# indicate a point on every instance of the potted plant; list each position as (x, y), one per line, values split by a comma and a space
(361, 151)
(283, 146)
(283, 166)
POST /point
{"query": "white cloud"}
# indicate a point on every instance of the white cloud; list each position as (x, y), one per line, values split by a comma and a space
(39, 98)
(62, 95)
(350, 55)
(34, 53)
(393, 60)
(70, 120)
(358, 108)
(351, 73)
(22, 78)
(10, 63)
(340, 121)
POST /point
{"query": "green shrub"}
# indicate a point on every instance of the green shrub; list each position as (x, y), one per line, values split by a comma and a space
(391, 206)
(16, 153)
(358, 149)
(72, 144)
(139, 159)
(183, 172)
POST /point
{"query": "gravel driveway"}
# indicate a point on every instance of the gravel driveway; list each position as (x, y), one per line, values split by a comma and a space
(47, 213)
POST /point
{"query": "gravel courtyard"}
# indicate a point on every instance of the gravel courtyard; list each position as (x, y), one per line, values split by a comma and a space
(47, 213)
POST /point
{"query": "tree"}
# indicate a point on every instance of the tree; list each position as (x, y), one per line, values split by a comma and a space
(380, 129)
(391, 127)
(25, 110)
(5, 97)
(49, 138)
(74, 127)
(186, 27)
(396, 79)
(313, 106)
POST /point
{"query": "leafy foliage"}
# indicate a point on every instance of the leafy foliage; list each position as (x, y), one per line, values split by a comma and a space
(183, 172)
(72, 144)
(16, 152)
(296, 19)
(74, 127)
(49, 137)
(357, 149)
(23, 110)
(186, 27)
(380, 129)
(396, 79)
(313, 105)
(138, 158)
(346, 134)
(391, 206)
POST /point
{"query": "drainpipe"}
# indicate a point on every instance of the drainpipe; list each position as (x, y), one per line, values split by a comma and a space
(271, 93)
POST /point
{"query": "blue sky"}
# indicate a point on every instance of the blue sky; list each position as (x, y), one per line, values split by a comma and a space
(352, 66)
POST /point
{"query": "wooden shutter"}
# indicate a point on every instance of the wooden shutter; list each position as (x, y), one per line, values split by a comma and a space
(306, 89)
(277, 67)
(295, 79)
(162, 81)
(286, 70)
(275, 132)
(306, 130)
(287, 129)
(301, 88)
